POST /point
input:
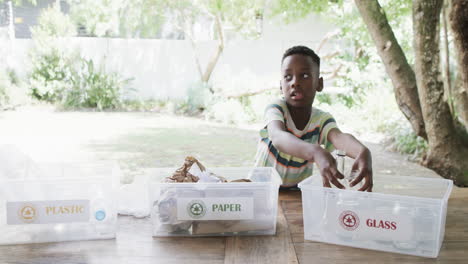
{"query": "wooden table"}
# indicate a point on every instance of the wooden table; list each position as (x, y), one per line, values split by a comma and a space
(134, 244)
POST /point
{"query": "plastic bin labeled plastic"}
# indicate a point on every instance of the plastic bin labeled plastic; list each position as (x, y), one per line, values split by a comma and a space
(58, 202)
(215, 209)
(403, 214)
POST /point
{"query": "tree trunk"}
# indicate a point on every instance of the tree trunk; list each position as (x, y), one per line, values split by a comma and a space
(459, 24)
(195, 55)
(212, 63)
(447, 154)
(448, 81)
(396, 64)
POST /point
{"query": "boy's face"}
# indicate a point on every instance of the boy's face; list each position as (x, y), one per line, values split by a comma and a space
(300, 80)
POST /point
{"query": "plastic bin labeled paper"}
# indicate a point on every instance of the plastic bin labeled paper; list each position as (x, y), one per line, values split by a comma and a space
(215, 209)
(58, 202)
(403, 214)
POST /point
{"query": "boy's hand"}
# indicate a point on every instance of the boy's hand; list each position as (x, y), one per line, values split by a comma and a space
(363, 164)
(327, 165)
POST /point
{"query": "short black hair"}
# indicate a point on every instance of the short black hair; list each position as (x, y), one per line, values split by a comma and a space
(303, 50)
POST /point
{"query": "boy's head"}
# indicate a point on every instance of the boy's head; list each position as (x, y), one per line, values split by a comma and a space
(300, 69)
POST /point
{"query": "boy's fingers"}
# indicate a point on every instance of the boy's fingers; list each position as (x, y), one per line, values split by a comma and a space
(371, 182)
(335, 182)
(326, 182)
(359, 178)
(367, 184)
(364, 187)
(355, 166)
(338, 174)
(367, 187)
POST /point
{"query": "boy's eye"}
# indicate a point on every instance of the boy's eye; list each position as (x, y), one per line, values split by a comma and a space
(305, 75)
(287, 77)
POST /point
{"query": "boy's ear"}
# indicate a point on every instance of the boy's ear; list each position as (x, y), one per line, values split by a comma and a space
(320, 85)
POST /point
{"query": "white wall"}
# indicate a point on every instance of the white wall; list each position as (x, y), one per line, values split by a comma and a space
(166, 68)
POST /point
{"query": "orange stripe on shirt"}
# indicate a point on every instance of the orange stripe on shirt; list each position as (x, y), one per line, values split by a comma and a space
(282, 165)
(318, 126)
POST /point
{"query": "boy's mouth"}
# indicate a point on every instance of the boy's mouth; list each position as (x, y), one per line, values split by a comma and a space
(297, 95)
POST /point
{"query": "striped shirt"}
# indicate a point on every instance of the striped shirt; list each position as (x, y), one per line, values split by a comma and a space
(292, 169)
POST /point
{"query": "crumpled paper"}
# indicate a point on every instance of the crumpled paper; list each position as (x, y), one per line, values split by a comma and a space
(193, 171)
(165, 209)
(166, 212)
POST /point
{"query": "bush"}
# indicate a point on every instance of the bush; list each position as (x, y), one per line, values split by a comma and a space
(64, 77)
(94, 88)
(74, 82)
(13, 91)
(228, 111)
(150, 105)
(403, 139)
(52, 74)
(53, 23)
(4, 87)
(198, 98)
(52, 63)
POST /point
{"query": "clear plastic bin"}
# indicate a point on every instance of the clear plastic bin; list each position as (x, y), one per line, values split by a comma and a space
(58, 202)
(215, 209)
(403, 214)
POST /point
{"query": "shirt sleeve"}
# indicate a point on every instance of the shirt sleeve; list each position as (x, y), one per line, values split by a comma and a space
(274, 112)
(327, 123)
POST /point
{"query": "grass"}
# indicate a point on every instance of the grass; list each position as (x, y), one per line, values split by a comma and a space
(167, 147)
(137, 141)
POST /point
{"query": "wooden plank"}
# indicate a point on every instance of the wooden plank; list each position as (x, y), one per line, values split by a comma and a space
(292, 207)
(457, 216)
(451, 252)
(296, 224)
(290, 195)
(263, 249)
(134, 244)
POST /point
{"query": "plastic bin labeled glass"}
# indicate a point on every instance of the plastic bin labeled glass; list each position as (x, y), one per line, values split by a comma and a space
(215, 209)
(403, 214)
(58, 202)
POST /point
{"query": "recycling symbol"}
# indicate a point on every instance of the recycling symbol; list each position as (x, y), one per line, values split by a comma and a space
(196, 209)
(27, 213)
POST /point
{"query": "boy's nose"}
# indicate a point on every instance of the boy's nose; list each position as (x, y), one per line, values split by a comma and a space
(295, 82)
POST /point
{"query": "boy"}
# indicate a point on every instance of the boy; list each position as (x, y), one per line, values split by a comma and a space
(294, 129)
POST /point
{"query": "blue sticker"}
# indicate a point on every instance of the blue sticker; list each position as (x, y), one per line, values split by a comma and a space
(100, 215)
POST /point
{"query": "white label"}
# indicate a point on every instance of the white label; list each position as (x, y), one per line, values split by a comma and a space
(46, 212)
(372, 225)
(226, 208)
(387, 227)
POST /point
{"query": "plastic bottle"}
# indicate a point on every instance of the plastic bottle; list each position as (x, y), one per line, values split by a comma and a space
(349, 175)
(340, 165)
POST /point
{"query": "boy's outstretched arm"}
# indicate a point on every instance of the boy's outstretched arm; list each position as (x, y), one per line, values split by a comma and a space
(357, 151)
(290, 144)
